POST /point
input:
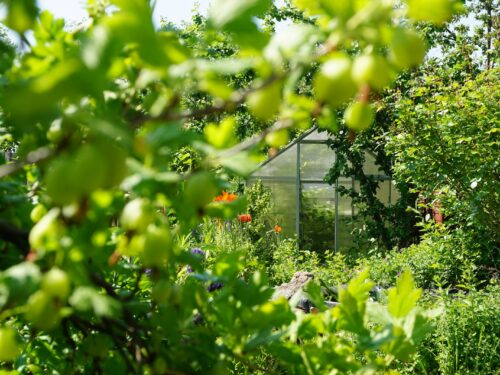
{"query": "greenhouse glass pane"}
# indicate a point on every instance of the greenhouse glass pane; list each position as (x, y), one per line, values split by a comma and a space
(283, 204)
(395, 193)
(345, 217)
(283, 165)
(370, 167)
(356, 189)
(316, 136)
(383, 192)
(317, 217)
(315, 161)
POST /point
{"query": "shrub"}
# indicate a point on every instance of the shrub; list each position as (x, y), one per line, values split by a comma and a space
(332, 269)
(439, 260)
(468, 333)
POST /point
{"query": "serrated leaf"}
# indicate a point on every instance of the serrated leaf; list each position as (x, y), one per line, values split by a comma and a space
(403, 298)
(315, 294)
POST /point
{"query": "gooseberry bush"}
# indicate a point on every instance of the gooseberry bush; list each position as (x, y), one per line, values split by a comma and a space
(95, 223)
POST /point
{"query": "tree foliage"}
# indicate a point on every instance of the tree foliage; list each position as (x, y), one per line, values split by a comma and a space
(98, 118)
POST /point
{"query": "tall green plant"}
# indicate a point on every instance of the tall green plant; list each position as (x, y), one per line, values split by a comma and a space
(98, 116)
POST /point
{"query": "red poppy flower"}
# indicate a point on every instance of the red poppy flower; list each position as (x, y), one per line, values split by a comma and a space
(277, 229)
(245, 218)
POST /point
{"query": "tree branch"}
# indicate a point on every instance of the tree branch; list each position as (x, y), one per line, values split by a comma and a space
(219, 107)
(33, 157)
(14, 235)
(252, 141)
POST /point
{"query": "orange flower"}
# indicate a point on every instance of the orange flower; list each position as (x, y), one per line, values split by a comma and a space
(277, 229)
(225, 197)
(231, 197)
(245, 218)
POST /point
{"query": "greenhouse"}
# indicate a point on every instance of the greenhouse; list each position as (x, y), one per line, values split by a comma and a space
(304, 204)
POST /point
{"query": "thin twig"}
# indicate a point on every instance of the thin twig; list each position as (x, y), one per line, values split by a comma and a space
(219, 107)
(34, 157)
(99, 281)
(136, 287)
(252, 141)
(85, 326)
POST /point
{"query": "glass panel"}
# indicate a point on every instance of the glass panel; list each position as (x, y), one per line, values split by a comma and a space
(317, 218)
(283, 205)
(283, 165)
(315, 161)
(317, 135)
(395, 193)
(345, 217)
(370, 167)
(383, 192)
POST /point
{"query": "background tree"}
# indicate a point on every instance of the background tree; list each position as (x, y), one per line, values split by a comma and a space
(99, 115)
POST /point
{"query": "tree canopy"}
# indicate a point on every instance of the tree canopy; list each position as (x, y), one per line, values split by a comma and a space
(118, 138)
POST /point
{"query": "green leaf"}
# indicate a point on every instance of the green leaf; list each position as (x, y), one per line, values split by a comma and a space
(400, 346)
(242, 164)
(271, 314)
(378, 313)
(418, 326)
(403, 298)
(351, 310)
(228, 265)
(21, 14)
(315, 294)
(19, 282)
(236, 16)
(232, 15)
(227, 210)
(308, 326)
(262, 338)
(349, 314)
(87, 299)
(222, 135)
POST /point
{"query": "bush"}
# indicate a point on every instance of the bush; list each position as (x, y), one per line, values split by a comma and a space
(332, 269)
(439, 260)
(468, 334)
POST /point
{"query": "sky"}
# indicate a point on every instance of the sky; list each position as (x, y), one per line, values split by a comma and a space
(74, 10)
(174, 10)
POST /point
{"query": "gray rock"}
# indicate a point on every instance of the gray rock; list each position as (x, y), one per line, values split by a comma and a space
(298, 282)
(293, 292)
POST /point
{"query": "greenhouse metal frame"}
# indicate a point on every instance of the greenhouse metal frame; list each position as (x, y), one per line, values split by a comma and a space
(302, 165)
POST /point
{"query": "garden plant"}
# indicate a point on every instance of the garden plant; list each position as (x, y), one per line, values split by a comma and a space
(130, 245)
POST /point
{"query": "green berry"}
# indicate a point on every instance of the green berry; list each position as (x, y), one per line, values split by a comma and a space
(37, 213)
(359, 116)
(157, 246)
(435, 11)
(372, 70)
(277, 138)
(333, 83)
(41, 311)
(47, 232)
(407, 49)
(265, 102)
(56, 283)
(9, 344)
(200, 189)
(137, 215)
(61, 186)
